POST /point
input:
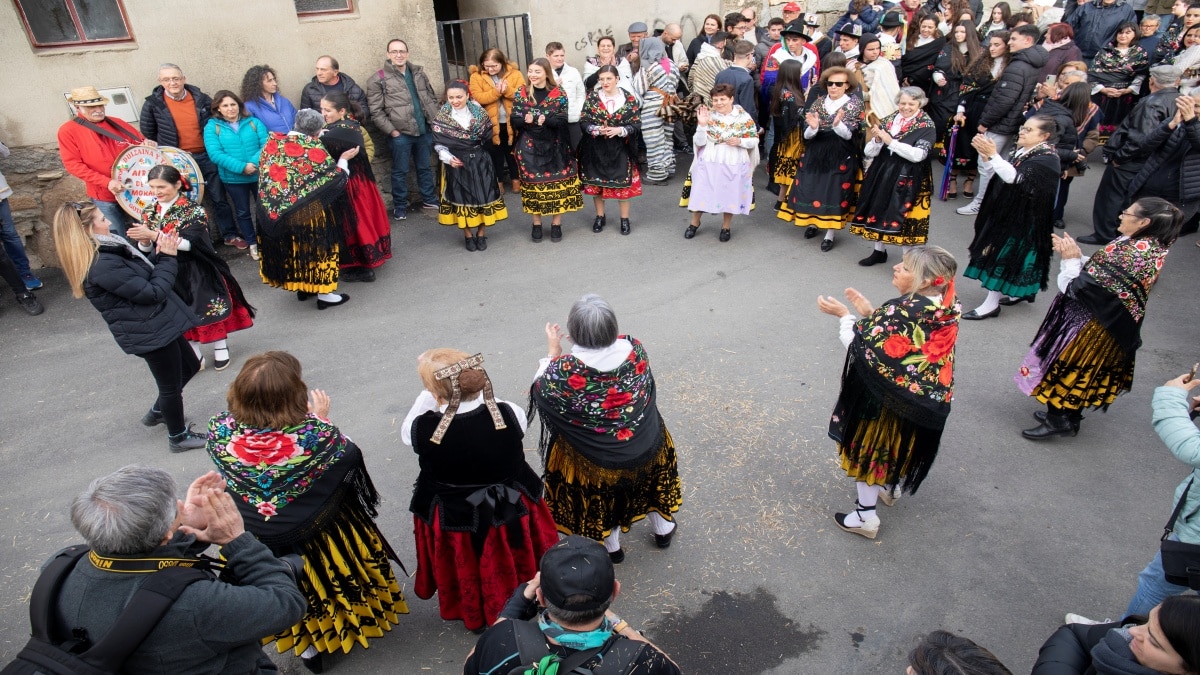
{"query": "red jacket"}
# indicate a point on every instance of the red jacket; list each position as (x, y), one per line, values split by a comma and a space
(90, 156)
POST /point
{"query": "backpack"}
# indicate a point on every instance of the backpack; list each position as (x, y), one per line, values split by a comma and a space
(531, 650)
(52, 652)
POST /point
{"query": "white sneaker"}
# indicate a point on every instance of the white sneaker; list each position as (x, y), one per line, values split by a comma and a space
(1081, 619)
(968, 210)
(253, 252)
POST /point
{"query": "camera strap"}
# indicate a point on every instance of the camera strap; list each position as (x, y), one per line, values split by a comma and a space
(123, 565)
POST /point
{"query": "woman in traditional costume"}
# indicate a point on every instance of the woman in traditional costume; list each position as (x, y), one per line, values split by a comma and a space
(787, 119)
(302, 487)
(973, 94)
(609, 460)
(1083, 354)
(893, 206)
(824, 189)
(549, 178)
(924, 43)
(479, 519)
(610, 121)
(298, 233)
(1117, 76)
(657, 79)
(204, 280)
(366, 230)
(721, 177)
(1010, 254)
(897, 383)
(960, 50)
(471, 197)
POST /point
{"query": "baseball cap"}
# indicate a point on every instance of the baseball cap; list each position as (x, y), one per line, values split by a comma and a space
(577, 566)
(792, 7)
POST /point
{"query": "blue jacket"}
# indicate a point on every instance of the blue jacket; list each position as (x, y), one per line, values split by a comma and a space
(278, 118)
(232, 150)
(1182, 438)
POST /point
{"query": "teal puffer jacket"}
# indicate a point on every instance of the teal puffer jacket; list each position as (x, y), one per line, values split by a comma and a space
(1182, 438)
(232, 150)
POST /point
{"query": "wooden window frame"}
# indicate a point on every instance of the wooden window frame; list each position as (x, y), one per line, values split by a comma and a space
(71, 9)
(327, 12)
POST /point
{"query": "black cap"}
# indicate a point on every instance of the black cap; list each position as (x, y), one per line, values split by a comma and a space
(891, 20)
(577, 566)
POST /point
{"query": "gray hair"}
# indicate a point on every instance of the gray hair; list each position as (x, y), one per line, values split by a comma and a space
(1165, 75)
(168, 66)
(927, 263)
(1073, 75)
(308, 122)
(592, 323)
(127, 512)
(915, 93)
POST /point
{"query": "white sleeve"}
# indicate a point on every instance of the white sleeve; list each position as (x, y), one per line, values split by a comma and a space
(841, 130)
(908, 152)
(444, 154)
(424, 403)
(846, 329)
(184, 245)
(518, 412)
(809, 132)
(344, 165)
(873, 147)
(543, 363)
(700, 138)
(1068, 269)
(1136, 85)
(1005, 171)
(145, 246)
(749, 143)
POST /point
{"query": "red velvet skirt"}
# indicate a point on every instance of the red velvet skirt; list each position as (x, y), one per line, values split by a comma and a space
(369, 241)
(474, 589)
(238, 319)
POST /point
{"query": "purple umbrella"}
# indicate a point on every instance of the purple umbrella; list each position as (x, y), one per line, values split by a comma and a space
(949, 162)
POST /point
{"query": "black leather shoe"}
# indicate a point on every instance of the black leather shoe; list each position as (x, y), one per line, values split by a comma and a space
(537, 233)
(303, 295)
(617, 557)
(314, 664)
(810, 232)
(322, 304)
(875, 258)
(1073, 418)
(976, 316)
(1093, 239)
(30, 303)
(1060, 225)
(625, 228)
(664, 540)
(556, 233)
(470, 244)
(480, 243)
(152, 418)
(1053, 425)
(1009, 300)
(725, 235)
(690, 232)
(599, 223)
(826, 245)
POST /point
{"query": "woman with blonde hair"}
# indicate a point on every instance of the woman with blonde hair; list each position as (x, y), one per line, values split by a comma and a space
(479, 519)
(135, 295)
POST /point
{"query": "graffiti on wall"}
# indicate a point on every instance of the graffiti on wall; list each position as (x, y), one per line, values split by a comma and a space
(587, 41)
(688, 23)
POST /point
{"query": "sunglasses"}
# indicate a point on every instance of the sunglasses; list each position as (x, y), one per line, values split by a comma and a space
(837, 84)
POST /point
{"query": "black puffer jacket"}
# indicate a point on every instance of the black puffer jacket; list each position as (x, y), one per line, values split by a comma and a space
(1127, 145)
(1165, 143)
(1067, 134)
(1006, 106)
(137, 301)
(157, 123)
(1069, 650)
(314, 91)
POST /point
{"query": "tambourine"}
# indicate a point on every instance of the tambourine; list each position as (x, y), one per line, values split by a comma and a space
(133, 165)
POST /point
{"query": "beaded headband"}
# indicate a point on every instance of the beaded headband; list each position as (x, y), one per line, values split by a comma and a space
(452, 372)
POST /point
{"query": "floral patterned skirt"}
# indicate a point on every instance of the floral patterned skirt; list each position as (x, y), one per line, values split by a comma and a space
(472, 587)
(591, 501)
(552, 197)
(348, 582)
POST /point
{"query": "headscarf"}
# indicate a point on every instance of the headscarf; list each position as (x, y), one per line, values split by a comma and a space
(652, 50)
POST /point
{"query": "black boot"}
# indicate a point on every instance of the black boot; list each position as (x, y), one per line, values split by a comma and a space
(1056, 423)
(598, 224)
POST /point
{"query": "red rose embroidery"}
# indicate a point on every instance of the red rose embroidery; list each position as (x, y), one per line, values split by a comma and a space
(271, 447)
(816, 204)
(305, 169)
(897, 346)
(577, 381)
(624, 434)
(940, 343)
(946, 375)
(640, 367)
(266, 509)
(277, 172)
(317, 155)
(632, 357)
(616, 399)
(293, 149)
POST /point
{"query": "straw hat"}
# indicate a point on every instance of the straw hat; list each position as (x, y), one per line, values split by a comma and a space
(87, 96)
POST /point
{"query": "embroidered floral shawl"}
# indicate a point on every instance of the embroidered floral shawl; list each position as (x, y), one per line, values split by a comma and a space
(288, 482)
(1112, 68)
(294, 170)
(1128, 268)
(446, 128)
(609, 417)
(524, 102)
(905, 353)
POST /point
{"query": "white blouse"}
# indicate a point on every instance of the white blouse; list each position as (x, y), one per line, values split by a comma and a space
(603, 359)
(426, 402)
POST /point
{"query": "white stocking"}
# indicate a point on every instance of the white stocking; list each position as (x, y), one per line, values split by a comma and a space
(612, 542)
(661, 525)
(991, 302)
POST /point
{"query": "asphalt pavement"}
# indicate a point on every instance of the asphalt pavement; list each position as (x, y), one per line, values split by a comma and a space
(1003, 538)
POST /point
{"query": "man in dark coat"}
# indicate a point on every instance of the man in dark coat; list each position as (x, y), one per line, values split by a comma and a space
(1095, 23)
(1004, 110)
(327, 79)
(1172, 171)
(174, 114)
(1127, 150)
(738, 75)
(130, 520)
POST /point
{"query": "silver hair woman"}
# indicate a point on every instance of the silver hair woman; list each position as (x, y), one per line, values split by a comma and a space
(608, 457)
(893, 206)
(298, 186)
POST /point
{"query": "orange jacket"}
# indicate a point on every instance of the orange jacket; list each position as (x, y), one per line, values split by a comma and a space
(483, 90)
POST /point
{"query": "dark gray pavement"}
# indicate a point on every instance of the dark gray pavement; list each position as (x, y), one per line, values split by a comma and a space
(1004, 537)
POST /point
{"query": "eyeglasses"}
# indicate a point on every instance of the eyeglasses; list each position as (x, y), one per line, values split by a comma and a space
(170, 80)
(397, 51)
(837, 84)
(1132, 215)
